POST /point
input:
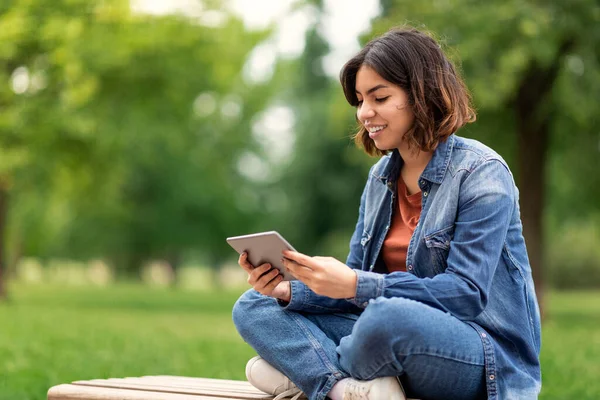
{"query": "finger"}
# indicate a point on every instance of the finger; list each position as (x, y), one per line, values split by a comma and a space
(300, 258)
(243, 262)
(257, 273)
(298, 270)
(273, 284)
(267, 279)
(300, 275)
(294, 264)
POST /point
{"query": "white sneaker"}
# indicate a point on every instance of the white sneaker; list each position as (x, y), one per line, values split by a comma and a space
(387, 388)
(265, 377)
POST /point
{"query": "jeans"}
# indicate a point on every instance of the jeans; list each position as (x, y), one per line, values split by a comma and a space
(435, 355)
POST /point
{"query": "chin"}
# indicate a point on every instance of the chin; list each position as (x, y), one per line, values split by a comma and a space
(383, 146)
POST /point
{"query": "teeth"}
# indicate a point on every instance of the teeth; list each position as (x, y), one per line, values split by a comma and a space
(376, 128)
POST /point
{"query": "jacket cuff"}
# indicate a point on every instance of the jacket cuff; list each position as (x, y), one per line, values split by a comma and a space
(369, 285)
(298, 294)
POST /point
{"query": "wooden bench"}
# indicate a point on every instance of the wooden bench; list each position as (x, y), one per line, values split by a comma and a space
(156, 388)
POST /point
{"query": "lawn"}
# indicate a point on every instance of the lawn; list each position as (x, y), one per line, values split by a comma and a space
(52, 335)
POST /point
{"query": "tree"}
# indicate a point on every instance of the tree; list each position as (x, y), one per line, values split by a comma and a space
(118, 129)
(524, 62)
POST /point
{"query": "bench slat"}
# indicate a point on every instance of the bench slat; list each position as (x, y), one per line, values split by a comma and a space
(211, 388)
(197, 381)
(189, 383)
(80, 392)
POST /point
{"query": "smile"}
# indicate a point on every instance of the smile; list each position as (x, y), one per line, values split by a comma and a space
(375, 131)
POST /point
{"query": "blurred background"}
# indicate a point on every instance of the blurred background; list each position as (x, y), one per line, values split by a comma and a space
(135, 136)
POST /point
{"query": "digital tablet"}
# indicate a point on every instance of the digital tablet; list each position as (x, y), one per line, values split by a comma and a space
(264, 247)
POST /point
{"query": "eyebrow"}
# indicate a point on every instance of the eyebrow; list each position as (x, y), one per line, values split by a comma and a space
(374, 88)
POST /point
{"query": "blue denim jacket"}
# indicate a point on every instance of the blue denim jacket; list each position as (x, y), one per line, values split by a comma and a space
(467, 257)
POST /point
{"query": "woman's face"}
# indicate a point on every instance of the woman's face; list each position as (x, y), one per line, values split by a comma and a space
(383, 108)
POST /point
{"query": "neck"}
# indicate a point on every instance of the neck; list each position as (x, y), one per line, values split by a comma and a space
(414, 160)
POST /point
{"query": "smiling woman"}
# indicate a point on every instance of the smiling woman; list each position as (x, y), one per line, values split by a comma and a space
(436, 298)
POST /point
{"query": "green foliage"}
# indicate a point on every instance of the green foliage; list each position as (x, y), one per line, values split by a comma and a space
(574, 256)
(325, 177)
(494, 43)
(124, 136)
(122, 139)
(59, 334)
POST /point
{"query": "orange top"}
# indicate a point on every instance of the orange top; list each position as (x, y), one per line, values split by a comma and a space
(405, 216)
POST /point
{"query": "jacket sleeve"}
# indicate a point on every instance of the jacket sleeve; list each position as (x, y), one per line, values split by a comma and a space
(487, 201)
(305, 300)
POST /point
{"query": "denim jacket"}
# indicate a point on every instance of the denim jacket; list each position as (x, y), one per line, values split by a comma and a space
(467, 257)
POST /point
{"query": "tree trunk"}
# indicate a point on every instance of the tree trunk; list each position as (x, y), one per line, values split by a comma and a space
(533, 145)
(533, 115)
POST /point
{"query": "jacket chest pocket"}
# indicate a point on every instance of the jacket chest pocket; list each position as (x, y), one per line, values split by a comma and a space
(438, 246)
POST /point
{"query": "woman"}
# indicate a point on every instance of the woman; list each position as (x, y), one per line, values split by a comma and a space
(436, 297)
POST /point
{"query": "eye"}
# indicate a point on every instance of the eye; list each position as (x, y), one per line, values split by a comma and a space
(359, 103)
(382, 99)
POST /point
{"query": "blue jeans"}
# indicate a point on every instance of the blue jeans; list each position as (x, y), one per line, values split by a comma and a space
(435, 355)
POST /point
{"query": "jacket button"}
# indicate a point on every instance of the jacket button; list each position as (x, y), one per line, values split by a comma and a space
(492, 377)
(410, 267)
(425, 194)
(483, 335)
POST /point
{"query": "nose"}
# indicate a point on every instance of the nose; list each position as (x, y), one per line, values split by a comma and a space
(364, 112)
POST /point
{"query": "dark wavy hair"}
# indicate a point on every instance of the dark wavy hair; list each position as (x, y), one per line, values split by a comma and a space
(414, 61)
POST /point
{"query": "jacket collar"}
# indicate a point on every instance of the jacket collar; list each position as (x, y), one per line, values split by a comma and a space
(434, 171)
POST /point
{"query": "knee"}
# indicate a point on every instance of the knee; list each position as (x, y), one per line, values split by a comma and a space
(388, 323)
(242, 310)
(389, 319)
(248, 309)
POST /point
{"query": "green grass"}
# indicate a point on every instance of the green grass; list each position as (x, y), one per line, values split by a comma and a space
(53, 335)
(571, 347)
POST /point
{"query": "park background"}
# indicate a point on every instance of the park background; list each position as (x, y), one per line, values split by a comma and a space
(136, 136)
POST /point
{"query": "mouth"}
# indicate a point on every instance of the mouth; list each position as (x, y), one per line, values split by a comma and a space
(375, 131)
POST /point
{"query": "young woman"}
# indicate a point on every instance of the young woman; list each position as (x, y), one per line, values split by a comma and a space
(436, 297)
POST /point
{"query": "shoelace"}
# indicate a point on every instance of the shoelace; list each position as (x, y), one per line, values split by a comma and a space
(295, 391)
(356, 391)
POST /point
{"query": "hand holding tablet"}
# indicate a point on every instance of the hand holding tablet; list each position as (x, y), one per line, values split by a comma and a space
(264, 247)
